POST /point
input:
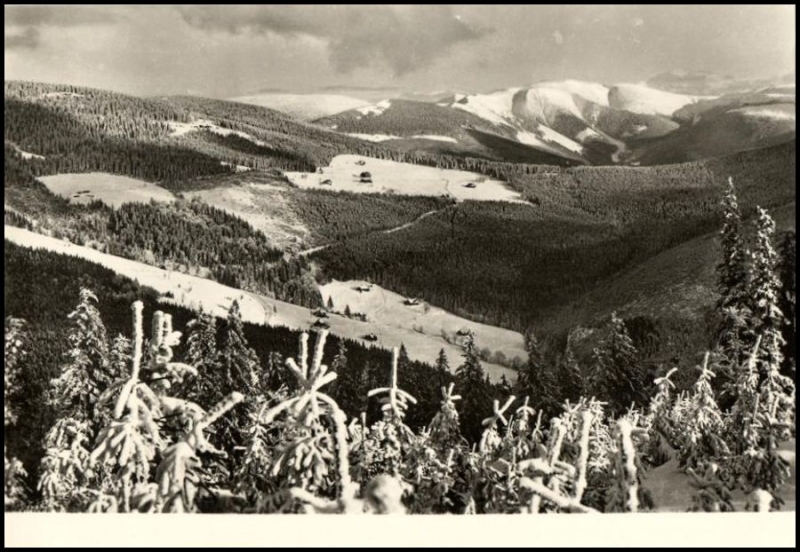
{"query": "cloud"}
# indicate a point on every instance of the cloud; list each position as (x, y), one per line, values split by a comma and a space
(58, 16)
(23, 24)
(404, 38)
(27, 39)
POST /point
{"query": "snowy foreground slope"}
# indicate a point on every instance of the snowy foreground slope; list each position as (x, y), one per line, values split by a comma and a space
(194, 292)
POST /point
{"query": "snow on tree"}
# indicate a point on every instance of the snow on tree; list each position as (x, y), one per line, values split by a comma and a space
(75, 391)
(13, 355)
(764, 293)
(732, 278)
(787, 267)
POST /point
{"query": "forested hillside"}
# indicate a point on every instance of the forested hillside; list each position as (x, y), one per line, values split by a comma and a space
(282, 443)
(515, 265)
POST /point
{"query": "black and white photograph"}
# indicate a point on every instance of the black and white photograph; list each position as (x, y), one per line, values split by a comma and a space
(410, 261)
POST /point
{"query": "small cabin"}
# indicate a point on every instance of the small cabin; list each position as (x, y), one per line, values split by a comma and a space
(470, 185)
(464, 331)
(361, 162)
(320, 313)
(326, 182)
(371, 337)
(411, 301)
(366, 180)
(365, 174)
(364, 288)
(321, 324)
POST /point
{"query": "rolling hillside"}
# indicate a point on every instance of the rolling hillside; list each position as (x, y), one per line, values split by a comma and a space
(198, 293)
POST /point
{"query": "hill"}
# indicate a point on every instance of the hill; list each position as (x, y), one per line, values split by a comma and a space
(305, 107)
(573, 122)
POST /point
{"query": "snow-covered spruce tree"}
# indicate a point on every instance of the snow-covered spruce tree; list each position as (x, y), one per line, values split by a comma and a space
(663, 427)
(701, 438)
(389, 439)
(85, 373)
(13, 354)
(313, 434)
(64, 472)
(787, 268)
(617, 375)
(444, 429)
(764, 294)
(146, 424)
(534, 380)
(733, 306)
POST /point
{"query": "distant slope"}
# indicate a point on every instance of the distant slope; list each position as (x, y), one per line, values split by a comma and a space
(730, 123)
(305, 107)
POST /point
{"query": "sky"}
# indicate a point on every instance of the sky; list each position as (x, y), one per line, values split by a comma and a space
(227, 51)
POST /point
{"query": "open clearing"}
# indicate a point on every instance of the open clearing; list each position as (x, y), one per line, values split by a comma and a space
(387, 312)
(194, 292)
(264, 207)
(111, 189)
(404, 179)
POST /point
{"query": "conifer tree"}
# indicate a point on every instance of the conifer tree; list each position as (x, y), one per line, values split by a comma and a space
(617, 374)
(201, 353)
(732, 283)
(238, 364)
(237, 360)
(442, 368)
(330, 302)
(275, 375)
(85, 374)
(471, 381)
(787, 268)
(570, 377)
(74, 395)
(13, 355)
(534, 380)
(764, 293)
(338, 365)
